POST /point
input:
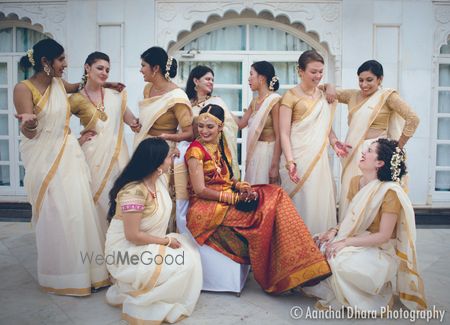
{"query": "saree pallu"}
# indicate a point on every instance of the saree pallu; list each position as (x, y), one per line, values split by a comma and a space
(165, 284)
(273, 239)
(150, 109)
(107, 153)
(313, 195)
(360, 119)
(369, 277)
(259, 153)
(64, 215)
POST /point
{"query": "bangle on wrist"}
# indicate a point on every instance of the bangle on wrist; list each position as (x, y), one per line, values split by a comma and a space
(169, 242)
(289, 163)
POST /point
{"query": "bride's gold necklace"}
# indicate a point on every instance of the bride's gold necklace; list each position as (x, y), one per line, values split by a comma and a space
(213, 151)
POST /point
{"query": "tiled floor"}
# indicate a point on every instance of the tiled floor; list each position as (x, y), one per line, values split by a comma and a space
(21, 301)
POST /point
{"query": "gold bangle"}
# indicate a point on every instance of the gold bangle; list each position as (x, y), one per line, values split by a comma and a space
(289, 163)
(170, 240)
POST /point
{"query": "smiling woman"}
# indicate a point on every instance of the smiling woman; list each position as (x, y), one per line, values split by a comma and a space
(56, 178)
(102, 112)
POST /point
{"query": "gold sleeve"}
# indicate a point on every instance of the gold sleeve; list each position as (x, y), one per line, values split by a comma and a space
(289, 100)
(194, 152)
(75, 101)
(183, 114)
(398, 105)
(344, 95)
(147, 89)
(353, 188)
(131, 198)
(391, 203)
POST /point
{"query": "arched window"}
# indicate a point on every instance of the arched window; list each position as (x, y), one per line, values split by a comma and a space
(230, 47)
(16, 37)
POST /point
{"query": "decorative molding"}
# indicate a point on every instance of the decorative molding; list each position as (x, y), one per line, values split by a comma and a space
(442, 29)
(175, 18)
(50, 15)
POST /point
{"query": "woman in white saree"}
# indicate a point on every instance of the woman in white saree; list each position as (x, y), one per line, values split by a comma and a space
(306, 131)
(164, 282)
(57, 179)
(102, 112)
(372, 252)
(165, 112)
(373, 112)
(262, 118)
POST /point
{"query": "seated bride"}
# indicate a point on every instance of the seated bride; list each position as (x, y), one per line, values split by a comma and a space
(157, 277)
(255, 225)
(372, 253)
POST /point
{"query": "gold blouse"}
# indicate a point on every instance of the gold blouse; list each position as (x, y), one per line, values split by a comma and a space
(393, 103)
(391, 204)
(88, 114)
(35, 93)
(268, 131)
(134, 197)
(299, 104)
(179, 114)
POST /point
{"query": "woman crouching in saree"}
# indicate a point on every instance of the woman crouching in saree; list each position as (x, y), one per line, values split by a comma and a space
(372, 252)
(164, 282)
(251, 225)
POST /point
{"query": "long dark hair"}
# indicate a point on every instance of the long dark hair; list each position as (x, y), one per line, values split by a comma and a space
(267, 70)
(196, 73)
(385, 150)
(158, 56)
(46, 48)
(149, 155)
(218, 112)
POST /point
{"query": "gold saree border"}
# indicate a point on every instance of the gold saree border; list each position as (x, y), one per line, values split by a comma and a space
(299, 277)
(39, 107)
(316, 159)
(375, 113)
(116, 150)
(67, 291)
(258, 130)
(153, 279)
(55, 164)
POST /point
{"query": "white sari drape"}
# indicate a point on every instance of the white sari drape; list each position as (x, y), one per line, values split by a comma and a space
(152, 292)
(361, 117)
(64, 215)
(259, 153)
(107, 152)
(151, 109)
(368, 277)
(314, 195)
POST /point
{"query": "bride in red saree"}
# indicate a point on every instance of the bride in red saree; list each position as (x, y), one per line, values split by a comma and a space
(272, 237)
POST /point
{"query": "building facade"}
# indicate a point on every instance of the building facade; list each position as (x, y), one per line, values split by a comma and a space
(411, 38)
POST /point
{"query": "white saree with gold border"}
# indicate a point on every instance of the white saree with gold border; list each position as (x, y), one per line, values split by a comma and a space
(314, 195)
(369, 277)
(360, 118)
(259, 153)
(107, 153)
(157, 288)
(64, 215)
(151, 109)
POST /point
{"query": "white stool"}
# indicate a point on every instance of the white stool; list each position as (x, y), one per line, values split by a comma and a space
(220, 273)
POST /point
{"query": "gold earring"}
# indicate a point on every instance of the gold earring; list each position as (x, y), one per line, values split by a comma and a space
(47, 70)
